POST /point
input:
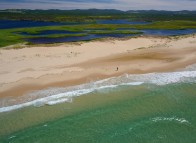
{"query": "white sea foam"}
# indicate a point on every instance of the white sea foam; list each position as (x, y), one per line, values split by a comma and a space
(61, 95)
(45, 125)
(11, 137)
(164, 78)
(154, 78)
(190, 68)
(180, 120)
(55, 99)
(59, 101)
(133, 83)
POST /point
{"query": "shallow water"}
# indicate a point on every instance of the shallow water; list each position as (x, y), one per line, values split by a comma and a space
(156, 107)
(145, 113)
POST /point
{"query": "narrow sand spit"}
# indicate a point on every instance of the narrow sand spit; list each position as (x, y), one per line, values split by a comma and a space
(35, 68)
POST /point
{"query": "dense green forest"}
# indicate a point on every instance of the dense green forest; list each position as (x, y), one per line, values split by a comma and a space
(93, 14)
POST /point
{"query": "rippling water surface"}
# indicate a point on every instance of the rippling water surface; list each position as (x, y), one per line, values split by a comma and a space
(156, 107)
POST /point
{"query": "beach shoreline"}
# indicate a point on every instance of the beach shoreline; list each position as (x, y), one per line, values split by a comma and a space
(37, 68)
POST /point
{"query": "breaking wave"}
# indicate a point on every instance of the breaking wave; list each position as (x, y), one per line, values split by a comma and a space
(60, 95)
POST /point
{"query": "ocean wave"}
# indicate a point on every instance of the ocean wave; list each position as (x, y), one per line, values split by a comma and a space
(165, 78)
(54, 96)
(158, 119)
(153, 78)
(179, 120)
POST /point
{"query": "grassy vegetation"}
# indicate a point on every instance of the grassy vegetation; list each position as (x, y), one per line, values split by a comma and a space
(57, 35)
(35, 30)
(10, 36)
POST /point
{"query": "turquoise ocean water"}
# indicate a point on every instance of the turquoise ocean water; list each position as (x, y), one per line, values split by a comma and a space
(149, 108)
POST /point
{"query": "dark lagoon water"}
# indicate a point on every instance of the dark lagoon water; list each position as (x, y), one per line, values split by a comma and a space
(7, 24)
(157, 32)
(147, 32)
(162, 32)
(47, 40)
(49, 32)
(148, 108)
(122, 21)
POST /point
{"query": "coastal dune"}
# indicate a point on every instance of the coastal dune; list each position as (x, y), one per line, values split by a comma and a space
(36, 68)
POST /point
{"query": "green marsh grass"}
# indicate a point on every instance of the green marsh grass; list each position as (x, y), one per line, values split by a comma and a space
(10, 36)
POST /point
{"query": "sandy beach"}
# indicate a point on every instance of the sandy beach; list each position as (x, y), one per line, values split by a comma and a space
(35, 68)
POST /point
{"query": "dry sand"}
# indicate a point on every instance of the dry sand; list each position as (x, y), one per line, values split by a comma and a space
(36, 68)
